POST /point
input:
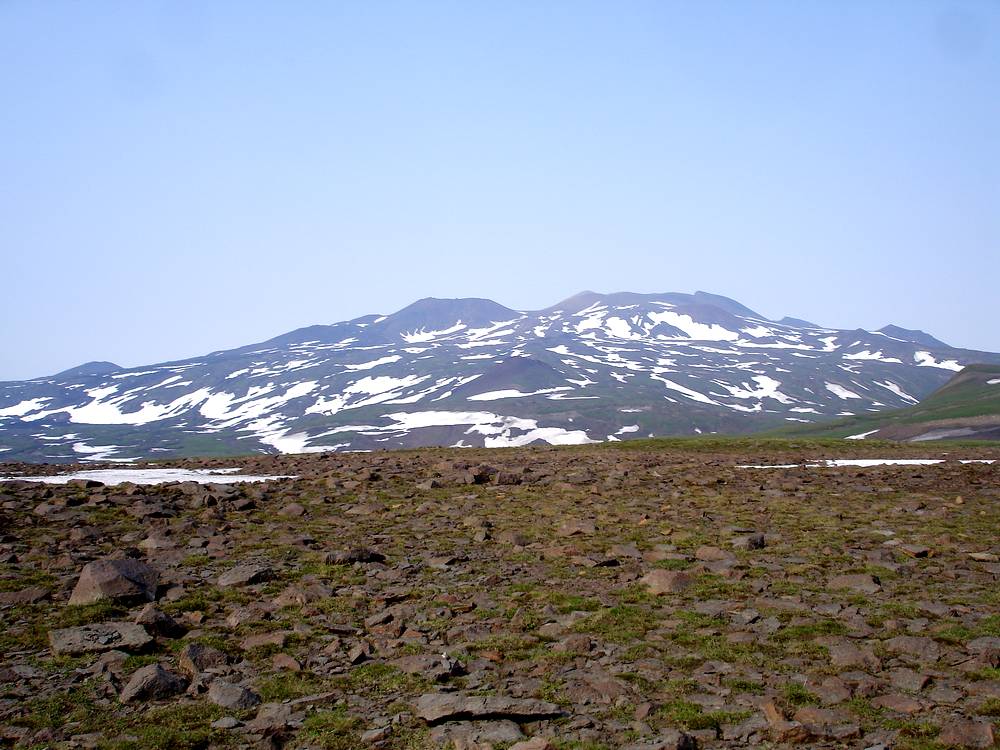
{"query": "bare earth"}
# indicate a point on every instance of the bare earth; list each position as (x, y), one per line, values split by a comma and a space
(598, 597)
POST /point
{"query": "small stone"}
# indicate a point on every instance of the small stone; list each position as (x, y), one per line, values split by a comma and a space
(965, 733)
(861, 582)
(984, 557)
(195, 658)
(286, 663)
(150, 683)
(901, 704)
(353, 555)
(666, 581)
(226, 722)
(535, 743)
(29, 595)
(376, 735)
(712, 554)
(158, 622)
(244, 575)
(228, 695)
(263, 640)
(921, 647)
(908, 680)
(576, 527)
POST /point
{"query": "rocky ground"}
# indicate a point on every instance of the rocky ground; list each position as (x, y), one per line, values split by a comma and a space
(640, 596)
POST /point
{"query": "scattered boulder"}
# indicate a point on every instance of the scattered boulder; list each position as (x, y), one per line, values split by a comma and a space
(661, 581)
(152, 682)
(125, 581)
(437, 707)
(353, 555)
(245, 575)
(195, 658)
(105, 636)
(860, 582)
(228, 695)
(965, 733)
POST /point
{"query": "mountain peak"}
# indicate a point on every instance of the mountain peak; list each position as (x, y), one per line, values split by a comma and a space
(912, 335)
(89, 368)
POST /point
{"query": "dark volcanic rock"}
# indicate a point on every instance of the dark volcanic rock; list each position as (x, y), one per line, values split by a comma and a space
(126, 581)
(104, 636)
(152, 682)
(436, 707)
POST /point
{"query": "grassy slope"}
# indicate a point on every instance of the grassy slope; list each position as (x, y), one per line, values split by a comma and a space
(967, 398)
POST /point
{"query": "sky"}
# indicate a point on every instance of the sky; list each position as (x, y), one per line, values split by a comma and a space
(182, 177)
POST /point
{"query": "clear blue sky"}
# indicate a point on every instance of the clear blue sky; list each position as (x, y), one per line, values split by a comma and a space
(181, 177)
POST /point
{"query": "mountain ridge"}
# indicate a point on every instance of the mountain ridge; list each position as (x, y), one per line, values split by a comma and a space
(470, 371)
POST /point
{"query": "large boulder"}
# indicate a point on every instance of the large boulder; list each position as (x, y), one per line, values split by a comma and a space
(104, 636)
(126, 581)
(435, 707)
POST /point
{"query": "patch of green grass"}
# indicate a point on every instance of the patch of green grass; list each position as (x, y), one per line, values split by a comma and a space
(134, 661)
(86, 614)
(809, 630)
(381, 680)
(692, 716)
(567, 603)
(552, 690)
(990, 707)
(672, 564)
(332, 729)
(798, 695)
(16, 578)
(201, 600)
(744, 686)
(286, 686)
(955, 633)
(183, 726)
(865, 711)
(989, 625)
(620, 624)
(580, 745)
(76, 705)
(711, 586)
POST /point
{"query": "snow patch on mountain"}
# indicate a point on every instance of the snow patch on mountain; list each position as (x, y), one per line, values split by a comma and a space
(925, 359)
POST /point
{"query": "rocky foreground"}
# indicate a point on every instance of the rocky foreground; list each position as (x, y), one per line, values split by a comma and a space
(601, 597)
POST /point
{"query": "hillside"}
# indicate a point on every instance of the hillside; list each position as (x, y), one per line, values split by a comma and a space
(967, 407)
(579, 598)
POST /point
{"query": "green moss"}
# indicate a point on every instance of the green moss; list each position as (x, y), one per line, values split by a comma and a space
(798, 695)
(381, 680)
(86, 614)
(620, 624)
(989, 707)
(809, 630)
(331, 729)
(286, 686)
(744, 686)
(692, 716)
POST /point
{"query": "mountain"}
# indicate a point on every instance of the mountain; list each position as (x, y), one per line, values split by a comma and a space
(967, 407)
(473, 372)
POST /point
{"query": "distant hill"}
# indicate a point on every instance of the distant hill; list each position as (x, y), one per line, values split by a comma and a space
(967, 407)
